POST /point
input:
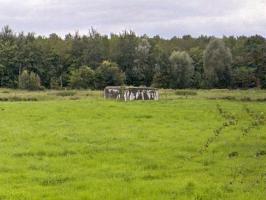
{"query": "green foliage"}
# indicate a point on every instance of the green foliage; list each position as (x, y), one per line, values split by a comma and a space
(29, 81)
(182, 70)
(95, 49)
(66, 93)
(18, 98)
(185, 92)
(243, 77)
(217, 61)
(123, 52)
(8, 57)
(108, 74)
(162, 71)
(55, 83)
(2, 73)
(256, 57)
(144, 60)
(143, 71)
(263, 81)
(82, 78)
(197, 56)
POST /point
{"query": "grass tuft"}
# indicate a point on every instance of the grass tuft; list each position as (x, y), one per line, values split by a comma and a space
(185, 93)
(65, 93)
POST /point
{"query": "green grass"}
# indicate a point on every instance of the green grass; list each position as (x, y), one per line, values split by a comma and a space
(89, 148)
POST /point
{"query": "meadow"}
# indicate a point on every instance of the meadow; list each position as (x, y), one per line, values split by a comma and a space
(191, 144)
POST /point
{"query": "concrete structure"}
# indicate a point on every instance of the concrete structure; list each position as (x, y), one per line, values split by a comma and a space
(131, 93)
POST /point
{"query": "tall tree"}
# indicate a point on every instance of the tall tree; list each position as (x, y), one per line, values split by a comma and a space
(123, 52)
(217, 61)
(8, 58)
(162, 68)
(142, 59)
(255, 58)
(196, 54)
(95, 49)
(143, 69)
(182, 69)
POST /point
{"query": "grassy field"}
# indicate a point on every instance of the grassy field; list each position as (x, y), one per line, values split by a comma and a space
(198, 145)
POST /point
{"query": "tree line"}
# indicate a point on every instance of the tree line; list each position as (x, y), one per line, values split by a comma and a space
(94, 61)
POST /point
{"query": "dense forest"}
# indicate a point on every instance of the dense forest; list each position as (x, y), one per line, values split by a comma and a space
(94, 61)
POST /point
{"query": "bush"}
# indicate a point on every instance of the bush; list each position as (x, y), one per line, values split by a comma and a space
(5, 91)
(230, 98)
(245, 99)
(263, 82)
(185, 93)
(29, 81)
(65, 93)
(108, 74)
(243, 77)
(55, 83)
(82, 78)
(17, 98)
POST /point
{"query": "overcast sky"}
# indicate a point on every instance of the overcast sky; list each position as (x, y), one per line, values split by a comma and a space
(166, 18)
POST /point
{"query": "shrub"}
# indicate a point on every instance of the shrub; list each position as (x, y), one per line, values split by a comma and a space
(233, 154)
(74, 98)
(65, 93)
(243, 77)
(55, 83)
(260, 153)
(230, 98)
(29, 81)
(261, 99)
(17, 98)
(263, 82)
(82, 78)
(108, 74)
(5, 91)
(245, 99)
(185, 93)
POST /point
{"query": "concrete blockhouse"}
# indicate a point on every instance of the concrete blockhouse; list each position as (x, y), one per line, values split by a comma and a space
(131, 93)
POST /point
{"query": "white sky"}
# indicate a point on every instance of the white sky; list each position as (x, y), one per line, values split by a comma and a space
(167, 18)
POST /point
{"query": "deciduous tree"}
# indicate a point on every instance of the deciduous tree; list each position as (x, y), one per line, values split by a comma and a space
(217, 60)
(182, 69)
